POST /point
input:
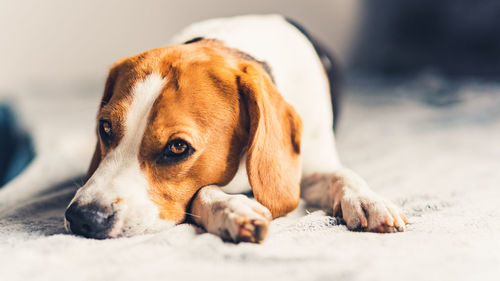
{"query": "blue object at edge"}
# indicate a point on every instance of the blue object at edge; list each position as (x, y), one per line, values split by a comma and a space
(16, 147)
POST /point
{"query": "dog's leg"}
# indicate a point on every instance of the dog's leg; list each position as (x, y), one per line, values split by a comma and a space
(345, 194)
(235, 218)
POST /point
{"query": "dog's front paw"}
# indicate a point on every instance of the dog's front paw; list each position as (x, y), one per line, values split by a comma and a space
(240, 219)
(369, 212)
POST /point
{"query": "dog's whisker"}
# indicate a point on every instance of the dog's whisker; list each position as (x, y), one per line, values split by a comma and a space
(146, 170)
(77, 182)
(193, 215)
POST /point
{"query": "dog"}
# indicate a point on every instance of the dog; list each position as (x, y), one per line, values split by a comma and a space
(232, 105)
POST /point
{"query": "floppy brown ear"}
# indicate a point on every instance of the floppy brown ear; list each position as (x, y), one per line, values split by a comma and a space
(273, 158)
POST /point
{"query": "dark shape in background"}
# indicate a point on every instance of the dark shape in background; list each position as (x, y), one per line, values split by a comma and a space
(16, 148)
(459, 38)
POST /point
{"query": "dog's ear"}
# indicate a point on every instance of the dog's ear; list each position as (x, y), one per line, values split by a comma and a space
(273, 158)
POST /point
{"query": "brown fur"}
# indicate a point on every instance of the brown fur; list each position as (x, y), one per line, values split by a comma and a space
(273, 162)
(223, 105)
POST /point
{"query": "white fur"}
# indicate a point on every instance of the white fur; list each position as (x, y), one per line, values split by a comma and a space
(222, 214)
(298, 74)
(301, 80)
(119, 173)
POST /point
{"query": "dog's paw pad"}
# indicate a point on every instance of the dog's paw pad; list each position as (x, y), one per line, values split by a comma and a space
(253, 231)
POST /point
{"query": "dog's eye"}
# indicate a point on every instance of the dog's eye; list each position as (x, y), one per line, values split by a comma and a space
(174, 151)
(177, 147)
(105, 132)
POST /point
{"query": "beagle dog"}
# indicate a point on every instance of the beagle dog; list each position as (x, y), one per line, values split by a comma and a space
(231, 105)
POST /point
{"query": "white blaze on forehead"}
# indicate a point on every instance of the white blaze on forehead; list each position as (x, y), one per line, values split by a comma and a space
(119, 173)
(144, 95)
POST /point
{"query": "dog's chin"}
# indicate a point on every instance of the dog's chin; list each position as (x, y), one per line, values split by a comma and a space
(123, 229)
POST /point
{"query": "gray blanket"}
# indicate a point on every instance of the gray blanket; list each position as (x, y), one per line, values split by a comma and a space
(431, 146)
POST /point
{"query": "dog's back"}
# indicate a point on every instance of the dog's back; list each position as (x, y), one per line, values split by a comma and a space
(297, 68)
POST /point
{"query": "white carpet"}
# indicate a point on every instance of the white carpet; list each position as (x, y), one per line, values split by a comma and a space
(431, 146)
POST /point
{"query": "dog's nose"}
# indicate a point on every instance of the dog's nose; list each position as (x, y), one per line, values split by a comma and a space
(90, 221)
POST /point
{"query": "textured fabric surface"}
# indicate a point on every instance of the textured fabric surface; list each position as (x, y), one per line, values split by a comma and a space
(431, 146)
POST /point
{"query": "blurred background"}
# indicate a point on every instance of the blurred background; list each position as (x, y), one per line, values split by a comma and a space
(456, 38)
(57, 42)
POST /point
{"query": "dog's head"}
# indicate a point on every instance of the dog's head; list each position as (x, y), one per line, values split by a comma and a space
(175, 119)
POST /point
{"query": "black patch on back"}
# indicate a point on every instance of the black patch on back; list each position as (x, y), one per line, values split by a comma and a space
(196, 39)
(331, 69)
